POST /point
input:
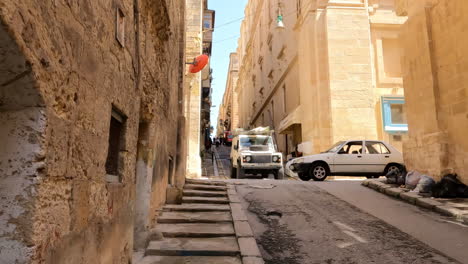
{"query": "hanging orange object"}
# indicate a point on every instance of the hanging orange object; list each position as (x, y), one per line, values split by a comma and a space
(199, 63)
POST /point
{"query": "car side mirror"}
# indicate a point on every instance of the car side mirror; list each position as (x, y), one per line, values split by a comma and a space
(342, 152)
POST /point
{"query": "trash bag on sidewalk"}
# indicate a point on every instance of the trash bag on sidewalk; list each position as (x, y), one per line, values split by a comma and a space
(425, 184)
(450, 187)
(397, 177)
(412, 179)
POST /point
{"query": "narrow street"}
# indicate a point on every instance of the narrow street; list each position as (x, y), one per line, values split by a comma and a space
(340, 221)
(302, 222)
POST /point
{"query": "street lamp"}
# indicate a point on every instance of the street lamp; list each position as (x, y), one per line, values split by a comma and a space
(279, 18)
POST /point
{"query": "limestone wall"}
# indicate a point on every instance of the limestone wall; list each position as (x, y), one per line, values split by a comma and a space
(434, 68)
(193, 81)
(71, 213)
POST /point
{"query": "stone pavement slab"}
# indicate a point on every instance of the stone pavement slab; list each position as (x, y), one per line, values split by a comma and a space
(237, 212)
(220, 246)
(192, 260)
(243, 229)
(197, 207)
(395, 192)
(194, 217)
(196, 230)
(205, 193)
(248, 247)
(205, 187)
(410, 197)
(207, 200)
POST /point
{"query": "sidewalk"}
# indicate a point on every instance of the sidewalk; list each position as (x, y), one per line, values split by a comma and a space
(213, 167)
(456, 208)
(208, 227)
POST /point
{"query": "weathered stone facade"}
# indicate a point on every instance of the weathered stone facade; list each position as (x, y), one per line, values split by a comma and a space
(435, 71)
(62, 75)
(228, 116)
(193, 81)
(325, 76)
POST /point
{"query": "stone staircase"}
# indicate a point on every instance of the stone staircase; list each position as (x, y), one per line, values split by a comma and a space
(198, 231)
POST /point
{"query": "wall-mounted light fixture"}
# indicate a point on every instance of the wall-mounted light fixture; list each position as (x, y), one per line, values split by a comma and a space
(279, 18)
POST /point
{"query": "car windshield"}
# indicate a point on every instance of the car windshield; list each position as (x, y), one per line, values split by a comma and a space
(335, 147)
(256, 143)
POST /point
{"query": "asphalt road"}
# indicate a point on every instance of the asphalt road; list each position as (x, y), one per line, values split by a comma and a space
(306, 222)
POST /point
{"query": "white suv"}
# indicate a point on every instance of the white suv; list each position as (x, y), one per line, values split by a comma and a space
(255, 154)
(369, 158)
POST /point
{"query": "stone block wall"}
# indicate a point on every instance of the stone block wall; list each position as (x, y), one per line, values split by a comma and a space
(193, 88)
(434, 68)
(76, 72)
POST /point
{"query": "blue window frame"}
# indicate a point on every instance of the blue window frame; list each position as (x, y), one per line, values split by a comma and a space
(394, 114)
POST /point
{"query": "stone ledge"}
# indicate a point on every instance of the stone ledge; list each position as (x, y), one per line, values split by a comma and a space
(395, 192)
(237, 212)
(465, 219)
(249, 250)
(428, 203)
(248, 247)
(243, 229)
(410, 197)
(449, 211)
(417, 199)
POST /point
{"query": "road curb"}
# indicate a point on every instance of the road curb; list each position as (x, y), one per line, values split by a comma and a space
(249, 250)
(416, 199)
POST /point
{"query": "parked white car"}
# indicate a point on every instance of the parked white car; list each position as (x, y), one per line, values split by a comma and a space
(370, 158)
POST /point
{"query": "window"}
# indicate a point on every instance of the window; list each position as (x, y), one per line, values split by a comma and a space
(298, 7)
(116, 141)
(353, 147)
(120, 27)
(373, 147)
(284, 98)
(272, 113)
(170, 173)
(394, 114)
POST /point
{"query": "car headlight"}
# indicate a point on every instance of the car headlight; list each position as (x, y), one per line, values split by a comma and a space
(247, 158)
(276, 159)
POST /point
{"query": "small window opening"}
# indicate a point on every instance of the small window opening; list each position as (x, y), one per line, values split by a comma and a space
(120, 27)
(170, 177)
(116, 141)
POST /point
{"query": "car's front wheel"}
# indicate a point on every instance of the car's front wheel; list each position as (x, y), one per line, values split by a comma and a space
(396, 168)
(304, 176)
(319, 172)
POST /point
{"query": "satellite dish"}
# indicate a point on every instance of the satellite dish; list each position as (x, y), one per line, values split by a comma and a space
(199, 63)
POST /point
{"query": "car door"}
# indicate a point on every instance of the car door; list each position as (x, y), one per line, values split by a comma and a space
(375, 157)
(349, 158)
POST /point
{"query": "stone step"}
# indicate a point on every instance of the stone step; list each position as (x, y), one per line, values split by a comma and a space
(189, 260)
(204, 187)
(205, 193)
(205, 200)
(194, 217)
(204, 182)
(197, 207)
(196, 230)
(219, 246)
